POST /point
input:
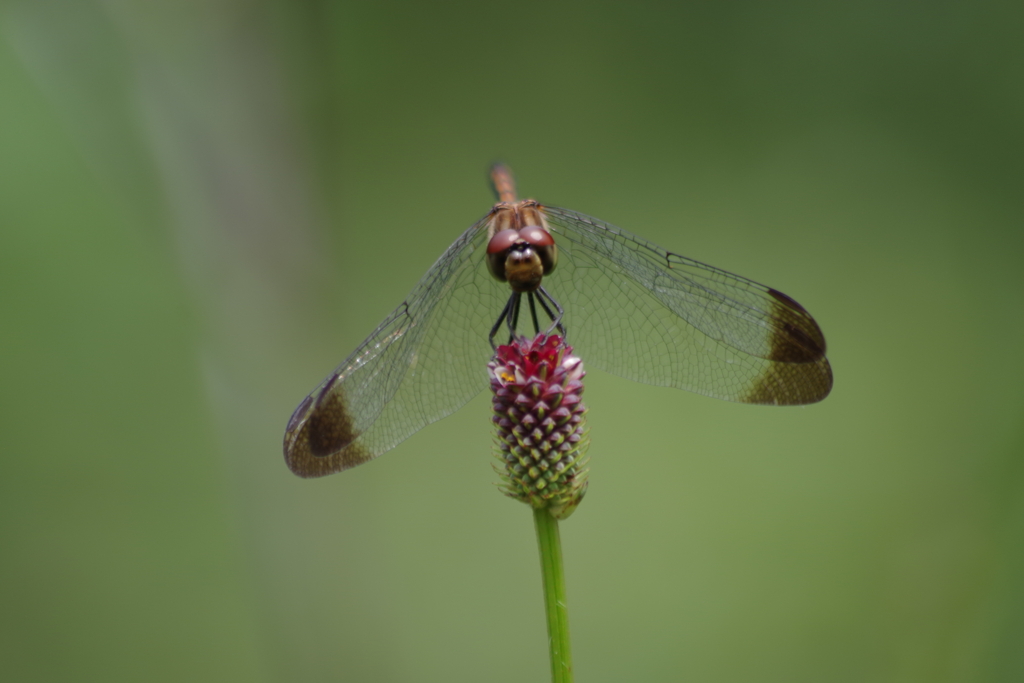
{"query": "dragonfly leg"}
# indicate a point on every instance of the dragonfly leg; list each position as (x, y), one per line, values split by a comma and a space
(513, 316)
(556, 320)
(533, 313)
(502, 318)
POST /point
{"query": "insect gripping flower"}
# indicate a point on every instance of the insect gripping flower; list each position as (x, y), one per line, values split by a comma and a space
(540, 419)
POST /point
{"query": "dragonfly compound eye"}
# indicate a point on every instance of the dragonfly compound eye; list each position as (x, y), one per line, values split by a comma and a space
(497, 250)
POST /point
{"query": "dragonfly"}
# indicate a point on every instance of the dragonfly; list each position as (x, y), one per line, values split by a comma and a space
(626, 305)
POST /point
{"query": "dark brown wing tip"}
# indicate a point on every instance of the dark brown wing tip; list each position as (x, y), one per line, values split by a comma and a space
(795, 336)
(792, 384)
(320, 441)
(799, 373)
(785, 299)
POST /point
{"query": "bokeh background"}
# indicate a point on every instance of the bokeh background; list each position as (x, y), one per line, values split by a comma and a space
(205, 205)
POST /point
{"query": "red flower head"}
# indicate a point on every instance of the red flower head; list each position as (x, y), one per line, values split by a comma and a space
(541, 430)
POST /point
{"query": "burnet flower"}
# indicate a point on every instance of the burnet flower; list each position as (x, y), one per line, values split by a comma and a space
(539, 414)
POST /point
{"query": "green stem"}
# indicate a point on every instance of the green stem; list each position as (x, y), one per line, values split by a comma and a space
(550, 544)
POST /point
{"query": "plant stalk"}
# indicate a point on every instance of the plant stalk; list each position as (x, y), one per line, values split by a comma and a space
(550, 544)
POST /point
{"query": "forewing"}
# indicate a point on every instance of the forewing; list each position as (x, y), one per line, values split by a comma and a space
(644, 313)
(425, 361)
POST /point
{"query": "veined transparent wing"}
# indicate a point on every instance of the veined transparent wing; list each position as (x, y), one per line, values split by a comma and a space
(639, 311)
(425, 361)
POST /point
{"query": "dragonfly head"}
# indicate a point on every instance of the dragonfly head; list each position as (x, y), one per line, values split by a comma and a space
(522, 257)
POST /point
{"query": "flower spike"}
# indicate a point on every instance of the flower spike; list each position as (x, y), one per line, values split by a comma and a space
(539, 416)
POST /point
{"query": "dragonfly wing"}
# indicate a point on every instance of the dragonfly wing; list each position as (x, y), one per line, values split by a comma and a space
(425, 361)
(647, 314)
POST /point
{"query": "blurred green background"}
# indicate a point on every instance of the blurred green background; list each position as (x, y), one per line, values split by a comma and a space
(205, 205)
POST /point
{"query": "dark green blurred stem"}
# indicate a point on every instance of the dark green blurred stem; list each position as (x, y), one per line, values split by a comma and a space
(550, 544)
